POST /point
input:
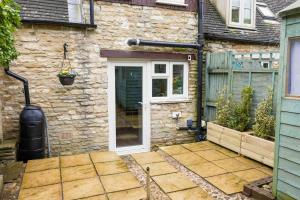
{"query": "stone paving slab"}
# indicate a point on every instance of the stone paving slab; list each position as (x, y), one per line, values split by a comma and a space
(148, 157)
(159, 168)
(266, 170)
(108, 168)
(82, 188)
(251, 175)
(78, 172)
(228, 183)
(206, 169)
(227, 152)
(249, 162)
(75, 160)
(39, 193)
(41, 178)
(174, 150)
(232, 165)
(133, 194)
(119, 182)
(196, 146)
(101, 197)
(42, 164)
(189, 159)
(211, 155)
(105, 156)
(190, 194)
(173, 182)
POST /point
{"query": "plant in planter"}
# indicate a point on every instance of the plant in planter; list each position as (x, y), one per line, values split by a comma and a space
(67, 76)
(233, 114)
(264, 126)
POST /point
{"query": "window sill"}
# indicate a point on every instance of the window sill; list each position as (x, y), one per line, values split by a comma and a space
(171, 101)
(171, 3)
(241, 27)
(69, 24)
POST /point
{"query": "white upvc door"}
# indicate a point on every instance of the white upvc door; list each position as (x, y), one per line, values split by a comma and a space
(143, 144)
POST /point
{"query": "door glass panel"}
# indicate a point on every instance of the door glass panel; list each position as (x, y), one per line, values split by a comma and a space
(177, 79)
(129, 106)
(159, 87)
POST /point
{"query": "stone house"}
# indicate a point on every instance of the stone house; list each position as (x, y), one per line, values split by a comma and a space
(125, 98)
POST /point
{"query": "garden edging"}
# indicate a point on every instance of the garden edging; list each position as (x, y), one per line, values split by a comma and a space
(242, 143)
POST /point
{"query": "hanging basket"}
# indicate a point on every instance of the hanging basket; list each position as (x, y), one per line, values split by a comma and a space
(64, 80)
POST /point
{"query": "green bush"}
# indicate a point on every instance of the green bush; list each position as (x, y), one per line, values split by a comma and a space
(233, 114)
(264, 119)
(9, 21)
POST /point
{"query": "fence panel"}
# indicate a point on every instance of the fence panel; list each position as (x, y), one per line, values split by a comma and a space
(234, 72)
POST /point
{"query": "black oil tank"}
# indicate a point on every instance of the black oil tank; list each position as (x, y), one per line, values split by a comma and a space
(32, 134)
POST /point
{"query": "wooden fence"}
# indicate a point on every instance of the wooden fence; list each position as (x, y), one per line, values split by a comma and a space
(234, 72)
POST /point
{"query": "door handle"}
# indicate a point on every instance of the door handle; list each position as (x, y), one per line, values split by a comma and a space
(141, 103)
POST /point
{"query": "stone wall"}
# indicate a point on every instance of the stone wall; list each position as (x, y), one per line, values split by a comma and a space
(78, 115)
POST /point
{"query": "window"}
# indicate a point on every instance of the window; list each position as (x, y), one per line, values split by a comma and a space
(265, 11)
(75, 11)
(169, 80)
(242, 13)
(172, 2)
(294, 69)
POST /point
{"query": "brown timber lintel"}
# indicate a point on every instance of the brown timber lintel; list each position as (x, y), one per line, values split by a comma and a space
(146, 55)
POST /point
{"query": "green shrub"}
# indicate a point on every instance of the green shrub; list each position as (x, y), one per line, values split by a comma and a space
(233, 114)
(264, 119)
(9, 21)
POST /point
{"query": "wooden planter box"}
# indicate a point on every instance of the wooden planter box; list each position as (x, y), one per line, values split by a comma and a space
(258, 149)
(242, 142)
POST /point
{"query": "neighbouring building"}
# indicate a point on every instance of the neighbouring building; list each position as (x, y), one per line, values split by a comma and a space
(125, 98)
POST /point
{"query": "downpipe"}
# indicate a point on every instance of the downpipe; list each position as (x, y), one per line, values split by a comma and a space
(25, 84)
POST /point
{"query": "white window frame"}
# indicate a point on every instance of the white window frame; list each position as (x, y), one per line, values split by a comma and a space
(170, 96)
(241, 23)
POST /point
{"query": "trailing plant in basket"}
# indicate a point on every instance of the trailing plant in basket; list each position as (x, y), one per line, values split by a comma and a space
(9, 21)
(264, 118)
(233, 114)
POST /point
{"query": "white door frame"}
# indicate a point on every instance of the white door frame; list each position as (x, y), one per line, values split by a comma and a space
(145, 147)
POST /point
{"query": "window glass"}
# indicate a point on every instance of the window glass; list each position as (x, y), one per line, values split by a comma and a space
(294, 72)
(160, 69)
(178, 75)
(247, 16)
(75, 11)
(235, 11)
(159, 87)
(265, 11)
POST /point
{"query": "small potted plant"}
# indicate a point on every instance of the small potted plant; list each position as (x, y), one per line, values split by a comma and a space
(67, 76)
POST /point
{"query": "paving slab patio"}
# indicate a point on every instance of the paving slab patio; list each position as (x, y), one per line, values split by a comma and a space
(221, 167)
(86, 176)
